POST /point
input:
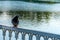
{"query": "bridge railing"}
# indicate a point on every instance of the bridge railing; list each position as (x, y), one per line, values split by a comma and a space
(30, 33)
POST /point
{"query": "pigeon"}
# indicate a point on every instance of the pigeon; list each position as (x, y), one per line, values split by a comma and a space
(15, 21)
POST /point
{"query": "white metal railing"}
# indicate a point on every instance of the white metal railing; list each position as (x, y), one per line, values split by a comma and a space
(30, 33)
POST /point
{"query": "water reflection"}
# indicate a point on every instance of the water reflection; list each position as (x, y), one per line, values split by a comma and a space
(4, 18)
(25, 17)
(41, 21)
(31, 15)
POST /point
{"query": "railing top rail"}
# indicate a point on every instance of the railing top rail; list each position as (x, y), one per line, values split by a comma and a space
(30, 31)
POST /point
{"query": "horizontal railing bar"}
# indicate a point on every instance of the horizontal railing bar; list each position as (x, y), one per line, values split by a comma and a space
(30, 31)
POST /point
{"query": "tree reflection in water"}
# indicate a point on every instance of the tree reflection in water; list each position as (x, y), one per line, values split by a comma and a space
(29, 15)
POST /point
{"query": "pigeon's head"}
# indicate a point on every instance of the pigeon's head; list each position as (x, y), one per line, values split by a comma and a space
(16, 16)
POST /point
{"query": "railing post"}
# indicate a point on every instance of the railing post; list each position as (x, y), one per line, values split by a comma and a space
(16, 35)
(45, 38)
(10, 34)
(23, 36)
(37, 37)
(4, 33)
(30, 36)
(54, 38)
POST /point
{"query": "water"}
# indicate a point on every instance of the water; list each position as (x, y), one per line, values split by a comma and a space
(26, 6)
(48, 21)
